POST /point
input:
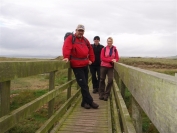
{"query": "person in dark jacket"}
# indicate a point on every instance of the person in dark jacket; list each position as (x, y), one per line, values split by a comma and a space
(95, 66)
(80, 54)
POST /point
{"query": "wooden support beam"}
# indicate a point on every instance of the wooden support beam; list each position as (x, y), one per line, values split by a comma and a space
(4, 98)
(136, 116)
(69, 78)
(122, 89)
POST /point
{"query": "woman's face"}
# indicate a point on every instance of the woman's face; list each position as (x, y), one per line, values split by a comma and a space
(109, 41)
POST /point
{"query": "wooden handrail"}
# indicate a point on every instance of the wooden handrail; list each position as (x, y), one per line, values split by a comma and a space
(154, 92)
(11, 70)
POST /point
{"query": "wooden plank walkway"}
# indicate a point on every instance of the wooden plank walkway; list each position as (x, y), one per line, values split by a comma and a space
(89, 120)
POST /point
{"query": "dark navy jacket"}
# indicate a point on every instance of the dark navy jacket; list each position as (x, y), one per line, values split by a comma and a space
(97, 52)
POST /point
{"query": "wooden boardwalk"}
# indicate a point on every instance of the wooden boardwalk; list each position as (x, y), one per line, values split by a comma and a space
(89, 120)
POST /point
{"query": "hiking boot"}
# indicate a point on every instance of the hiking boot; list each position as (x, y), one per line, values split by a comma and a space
(105, 98)
(85, 105)
(95, 90)
(101, 97)
(82, 104)
(94, 105)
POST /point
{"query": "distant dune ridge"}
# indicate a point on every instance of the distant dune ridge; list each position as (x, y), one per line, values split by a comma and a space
(172, 57)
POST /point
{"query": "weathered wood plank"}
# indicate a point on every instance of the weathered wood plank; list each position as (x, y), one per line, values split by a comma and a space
(155, 93)
(14, 117)
(69, 78)
(11, 70)
(115, 114)
(109, 117)
(54, 118)
(51, 87)
(126, 119)
(4, 98)
(64, 117)
(88, 120)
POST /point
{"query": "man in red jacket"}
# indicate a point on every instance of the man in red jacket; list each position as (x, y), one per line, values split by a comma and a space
(80, 54)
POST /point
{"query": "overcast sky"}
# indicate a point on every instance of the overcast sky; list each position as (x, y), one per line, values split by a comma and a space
(138, 27)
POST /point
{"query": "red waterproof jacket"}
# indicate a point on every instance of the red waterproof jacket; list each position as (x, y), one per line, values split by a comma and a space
(106, 59)
(78, 53)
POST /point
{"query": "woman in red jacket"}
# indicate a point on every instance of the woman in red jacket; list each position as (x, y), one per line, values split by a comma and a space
(109, 55)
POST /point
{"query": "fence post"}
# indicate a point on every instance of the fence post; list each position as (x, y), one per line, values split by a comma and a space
(51, 103)
(69, 78)
(116, 77)
(136, 115)
(4, 98)
(122, 89)
(176, 75)
(51, 87)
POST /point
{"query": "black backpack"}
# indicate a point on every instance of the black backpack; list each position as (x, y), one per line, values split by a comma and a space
(74, 38)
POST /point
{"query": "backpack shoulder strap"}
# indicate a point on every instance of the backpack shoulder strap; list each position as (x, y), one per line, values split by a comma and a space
(115, 50)
(73, 38)
(104, 50)
(86, 41)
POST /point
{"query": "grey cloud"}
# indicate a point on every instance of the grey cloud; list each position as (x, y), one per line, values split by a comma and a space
(40, 25)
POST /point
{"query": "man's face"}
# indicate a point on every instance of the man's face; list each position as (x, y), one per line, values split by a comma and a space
(96, 41)
(79, 33)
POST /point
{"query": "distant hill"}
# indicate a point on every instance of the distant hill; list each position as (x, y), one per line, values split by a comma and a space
(172, 57)
(59, 58)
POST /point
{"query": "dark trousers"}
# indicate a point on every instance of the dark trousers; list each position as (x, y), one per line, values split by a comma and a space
(95, 71)
(103, 72)
(81, 75)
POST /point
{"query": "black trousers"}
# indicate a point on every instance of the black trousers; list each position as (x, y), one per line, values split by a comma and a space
(81, 75)
(95, 71)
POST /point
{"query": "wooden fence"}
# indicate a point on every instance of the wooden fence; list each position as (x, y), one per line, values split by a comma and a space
(152, 92)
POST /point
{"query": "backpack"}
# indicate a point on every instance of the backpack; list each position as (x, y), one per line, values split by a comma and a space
(74, 38)
(105, 50)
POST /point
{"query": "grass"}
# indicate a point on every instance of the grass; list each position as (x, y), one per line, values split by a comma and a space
(19, 59)
(24, 90)
(161, 65)
(33, 122)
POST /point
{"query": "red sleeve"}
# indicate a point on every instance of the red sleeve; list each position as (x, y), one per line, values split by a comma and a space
(103, 58)
(67, 47)
(91, 53)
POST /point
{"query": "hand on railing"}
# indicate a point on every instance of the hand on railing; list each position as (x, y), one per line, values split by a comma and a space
(65, 59)
(113, 60)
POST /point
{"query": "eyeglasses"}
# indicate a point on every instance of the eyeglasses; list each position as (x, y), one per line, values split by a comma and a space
(96, 39)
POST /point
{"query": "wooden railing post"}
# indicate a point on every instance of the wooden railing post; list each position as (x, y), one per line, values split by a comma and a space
(116, 76)
(51, 87)
(51, 103)
(136, 115)
(176, 75)
(4, 98)
(122, 89)
(69, 78)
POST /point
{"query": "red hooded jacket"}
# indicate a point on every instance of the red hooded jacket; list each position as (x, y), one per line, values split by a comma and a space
(78, 53)
(106, 59)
